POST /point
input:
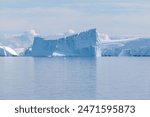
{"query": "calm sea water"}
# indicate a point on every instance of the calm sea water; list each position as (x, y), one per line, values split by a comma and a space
(75, 78)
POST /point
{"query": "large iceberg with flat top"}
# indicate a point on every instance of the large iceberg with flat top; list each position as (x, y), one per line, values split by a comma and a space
(85, 43)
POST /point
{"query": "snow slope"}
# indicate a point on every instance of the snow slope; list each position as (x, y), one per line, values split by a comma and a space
(7, 51)
(82, 44)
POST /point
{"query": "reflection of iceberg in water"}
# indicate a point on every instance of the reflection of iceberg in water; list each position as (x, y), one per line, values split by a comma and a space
(75, 78)
(48, 78)
(66, 78)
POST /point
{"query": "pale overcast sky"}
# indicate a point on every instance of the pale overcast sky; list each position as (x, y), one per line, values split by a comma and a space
(115, 17)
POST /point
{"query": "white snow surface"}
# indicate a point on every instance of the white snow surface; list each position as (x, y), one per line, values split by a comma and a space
(7, 51)
(81, 44)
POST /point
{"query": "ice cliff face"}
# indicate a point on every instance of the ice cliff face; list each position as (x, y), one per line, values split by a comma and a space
(7, 51)
(83, 44)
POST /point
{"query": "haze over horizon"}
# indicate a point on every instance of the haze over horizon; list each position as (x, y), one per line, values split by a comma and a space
(115, 17)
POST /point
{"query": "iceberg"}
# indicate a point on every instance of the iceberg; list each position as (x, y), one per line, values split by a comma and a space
(7, 51)
(82, 44)
(88, 43)
(126, 47)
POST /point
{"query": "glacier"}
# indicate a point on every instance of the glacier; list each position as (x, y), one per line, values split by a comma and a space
(81, 44)
(7, 51)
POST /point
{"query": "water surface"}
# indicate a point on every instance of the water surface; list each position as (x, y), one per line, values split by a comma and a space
(75, 78)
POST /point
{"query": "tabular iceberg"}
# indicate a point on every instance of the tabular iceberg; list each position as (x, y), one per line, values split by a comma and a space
(7, 51)
(83, 44)
(126, 47)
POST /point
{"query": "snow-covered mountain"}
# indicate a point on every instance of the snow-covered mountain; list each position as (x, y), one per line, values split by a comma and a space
(18, 41)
